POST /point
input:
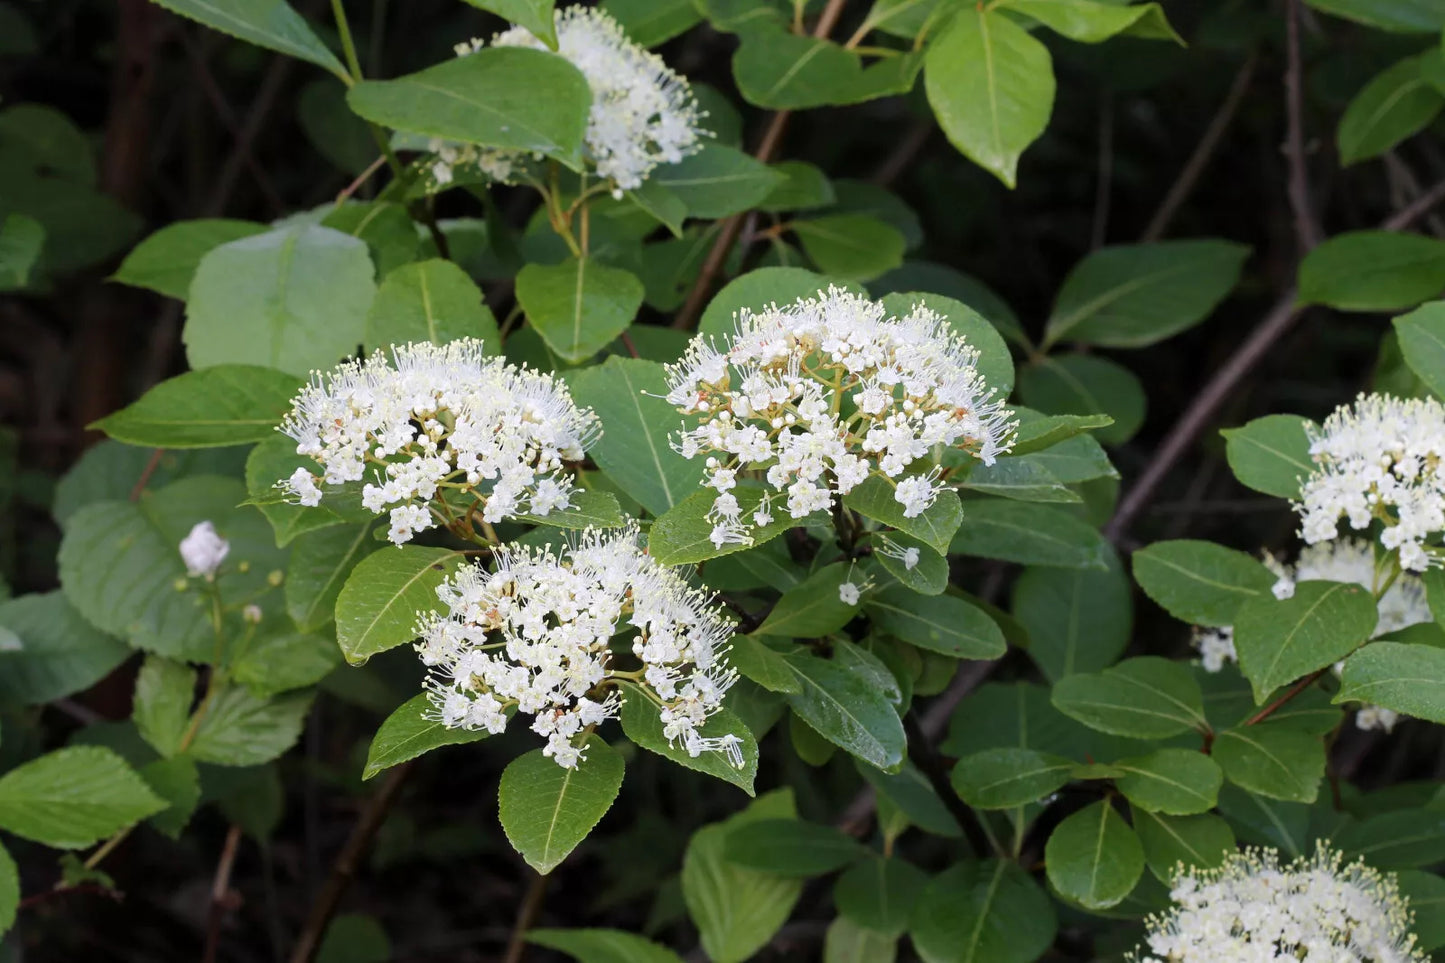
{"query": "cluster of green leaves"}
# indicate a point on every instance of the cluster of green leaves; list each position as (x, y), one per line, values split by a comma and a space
(1069, 792)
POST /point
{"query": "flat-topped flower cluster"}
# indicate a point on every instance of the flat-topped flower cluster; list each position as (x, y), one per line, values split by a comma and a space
(1348, 560)
(1382, 458)
(536, 631)
(822, 394)
(1253, 910)
(643, 114)
(426, 420)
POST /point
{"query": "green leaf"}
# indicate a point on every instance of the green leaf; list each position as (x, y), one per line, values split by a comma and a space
(757, 289)
(1142, 698)
(377, 607)
(1179, 782)
(845, 709)
(320, 562)
(879, 893)
(1408, 839)
(1373, 271)
(935, 525)
(1131, 296)
(282, 660)
(1200, 582)
(1401, 16)
(272, 24)
(588, 509)
(333, 130)
(602, 946)
(1007, 777)
(294, 298)
(1280, 640)
(1038, 432)
(166, 261)
(430, 301)
(786, 71)
(9, 890)
(1408, 678)
(812, 608)
(178, 782)
(408, 733)
(535, 15)
(55, 652)
(229, 404)
(1089, 21)
(1199, 842)
(717, 181)
(164, 691)
(910, 792)
(1093, 857)
(802, 186)
(682, 534)
(1426, 895)
(1021, 479)
(1029, 534)
(791, 847)
(851, 246)
(988, 911)
(1270, 454)
(120, 564)
(73, 797)
(767, 668)
(504, 97)
(578, 307)
(652, 22)
(21, 240)
(1076, 384)
(634, 451)
(547, 810)
(244, 729)
(641, 724)
(1078, 620)
(1395, 104)
(938, 623)
(276, 458)
(388, 230)
(1422, 342)
(991, 85)
(1268, 822)
(1272, 759)
(848, 942)
(736, 910)
(354, 938)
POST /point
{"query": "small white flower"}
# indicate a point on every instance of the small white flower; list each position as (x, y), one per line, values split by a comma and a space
(1376, 717)
(1313, 910)
(848, 593)
(643, 114)
(817, 397)
(908, 556)
(252, 613)
(535, 633)
(1380, 459)
(203, 550)
(1216, 647)
(428, 419)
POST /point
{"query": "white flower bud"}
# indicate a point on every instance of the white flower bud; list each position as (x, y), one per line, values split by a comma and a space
(203, 550)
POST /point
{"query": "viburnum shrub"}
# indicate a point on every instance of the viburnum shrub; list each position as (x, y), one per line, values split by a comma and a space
(555, 521)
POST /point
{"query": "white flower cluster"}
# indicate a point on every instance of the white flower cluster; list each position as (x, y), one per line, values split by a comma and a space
(822, 394)
(1380, 458)
(431, 419)
(643, 114)
(535, 634)
(1253, 910)
(1349, 560)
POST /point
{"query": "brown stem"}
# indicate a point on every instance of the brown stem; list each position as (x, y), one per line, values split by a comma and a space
(717, 256)
(1294, 690)
(220, 894)
(346, 865)
(1306, 226)
(526, 916)
(1203, 152)
(1416, 209)
(146, 473)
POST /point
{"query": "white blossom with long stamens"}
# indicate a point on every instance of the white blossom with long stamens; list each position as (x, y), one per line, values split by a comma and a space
(427, 419)
(535, 632)
(822, 394)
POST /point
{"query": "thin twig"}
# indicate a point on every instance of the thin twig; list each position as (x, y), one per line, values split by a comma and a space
(346, 865)
(717, 256)
(526, 916)
(1279, 703)
(266, 94)
(1203, 152)
(146, 473)
(220, 894)
(361, 178)
(1306, 226)
(904, 154)
(1417, 209)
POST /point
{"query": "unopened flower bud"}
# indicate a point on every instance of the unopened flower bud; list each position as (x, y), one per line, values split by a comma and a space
(203, 550)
